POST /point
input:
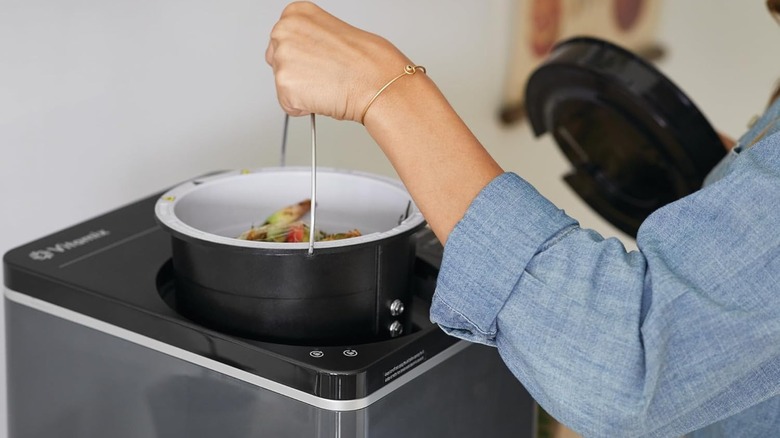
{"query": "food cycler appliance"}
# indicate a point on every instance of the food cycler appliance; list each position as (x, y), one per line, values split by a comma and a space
(96, 348)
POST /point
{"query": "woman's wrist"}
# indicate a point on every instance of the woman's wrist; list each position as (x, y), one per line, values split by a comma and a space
(441, 162)
(407, 95)
(385, 63)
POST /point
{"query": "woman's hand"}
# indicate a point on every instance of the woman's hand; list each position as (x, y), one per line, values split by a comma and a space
(323, 65)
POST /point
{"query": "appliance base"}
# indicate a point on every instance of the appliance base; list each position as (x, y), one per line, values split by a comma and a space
(69, 380)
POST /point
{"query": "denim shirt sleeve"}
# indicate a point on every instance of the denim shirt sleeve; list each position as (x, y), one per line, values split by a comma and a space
(655, 342)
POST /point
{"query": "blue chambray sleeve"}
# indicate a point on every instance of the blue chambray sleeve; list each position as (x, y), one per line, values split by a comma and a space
(655, 342)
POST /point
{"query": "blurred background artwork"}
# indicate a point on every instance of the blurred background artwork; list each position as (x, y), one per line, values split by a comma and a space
(539, 24)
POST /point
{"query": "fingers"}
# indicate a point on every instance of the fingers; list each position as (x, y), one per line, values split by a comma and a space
(294, 21)
(288, 88)
(308, 50)
(287, 54)
(278, 32)
(269, 54)
(727, 141)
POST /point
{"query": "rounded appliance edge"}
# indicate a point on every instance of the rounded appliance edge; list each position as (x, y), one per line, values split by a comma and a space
(171, 223)
(247, 377)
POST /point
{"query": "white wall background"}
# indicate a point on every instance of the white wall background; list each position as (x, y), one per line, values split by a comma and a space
(105, 102)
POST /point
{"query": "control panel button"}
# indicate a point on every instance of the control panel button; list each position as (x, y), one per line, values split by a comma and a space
(396, 329)
(396, 307)
(316, 353)
(350, 353)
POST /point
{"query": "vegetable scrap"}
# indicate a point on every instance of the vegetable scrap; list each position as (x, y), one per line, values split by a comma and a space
(284, 225)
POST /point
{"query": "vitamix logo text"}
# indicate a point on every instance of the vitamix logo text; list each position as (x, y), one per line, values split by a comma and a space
(62, 247)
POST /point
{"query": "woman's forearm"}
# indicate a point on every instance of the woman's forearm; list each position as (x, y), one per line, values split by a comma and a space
(438, 158)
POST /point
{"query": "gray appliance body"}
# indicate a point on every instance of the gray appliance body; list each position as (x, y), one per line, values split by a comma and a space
(93, 350)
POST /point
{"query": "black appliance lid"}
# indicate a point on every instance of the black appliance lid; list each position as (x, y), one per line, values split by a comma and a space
(636, 141)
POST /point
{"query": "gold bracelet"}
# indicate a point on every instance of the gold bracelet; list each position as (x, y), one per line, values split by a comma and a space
(408, 70)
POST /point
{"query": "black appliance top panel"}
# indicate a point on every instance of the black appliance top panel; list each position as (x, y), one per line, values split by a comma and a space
(107, 268)
(636, 141)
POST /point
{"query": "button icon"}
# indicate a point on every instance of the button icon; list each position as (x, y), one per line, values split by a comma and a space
(316, 353)
(350, 353)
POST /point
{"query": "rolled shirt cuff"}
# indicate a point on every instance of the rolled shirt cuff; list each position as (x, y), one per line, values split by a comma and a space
(504, 227)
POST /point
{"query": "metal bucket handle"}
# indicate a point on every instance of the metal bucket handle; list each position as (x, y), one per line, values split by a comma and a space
(283, 159)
